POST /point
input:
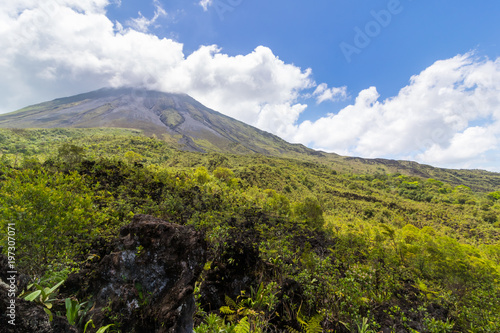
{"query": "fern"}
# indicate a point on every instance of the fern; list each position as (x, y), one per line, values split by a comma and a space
(230, 302)
(226, 310)
(292, 330)
(243, 326)
(313, 325)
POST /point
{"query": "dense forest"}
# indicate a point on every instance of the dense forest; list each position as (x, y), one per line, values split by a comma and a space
(324, 247)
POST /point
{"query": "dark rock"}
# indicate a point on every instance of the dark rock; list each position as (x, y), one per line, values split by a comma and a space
(146, 283)
(237, 268)
(235, 272)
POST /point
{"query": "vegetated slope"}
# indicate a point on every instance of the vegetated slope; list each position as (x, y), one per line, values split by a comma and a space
(188, 125)
(332, 250)
(297, 178)
(480, 180)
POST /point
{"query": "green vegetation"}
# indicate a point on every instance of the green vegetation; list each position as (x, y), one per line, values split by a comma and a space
(42, 204)
(335, 250)
(171, 118)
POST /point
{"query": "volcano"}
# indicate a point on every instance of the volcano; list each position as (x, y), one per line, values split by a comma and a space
(177, 117)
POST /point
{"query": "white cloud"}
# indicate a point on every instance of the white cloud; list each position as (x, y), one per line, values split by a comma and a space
(70, 47)
(431, 120)
(448, 115)
(279, 118)
(322, 93)
(240, 86)
(463, 147)
(205, 4)
(142, 23)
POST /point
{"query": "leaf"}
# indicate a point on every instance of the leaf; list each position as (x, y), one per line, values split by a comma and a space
(243, 326)
(47, 311)
(291, 329)
(33, 295)
(72, 308)
(104, 328)
(230, 303)
(226, 310)
(51, 290)
(314, 324)
(87, 324)
(68, 303)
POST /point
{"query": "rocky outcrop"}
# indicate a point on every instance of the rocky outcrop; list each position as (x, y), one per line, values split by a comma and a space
(146, 283)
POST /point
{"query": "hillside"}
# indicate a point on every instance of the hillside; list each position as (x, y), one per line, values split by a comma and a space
(174, 117)
(293, 245)
(188, 125)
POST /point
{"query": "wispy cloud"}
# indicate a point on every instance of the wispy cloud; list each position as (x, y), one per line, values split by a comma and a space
(142, 23)
(323, 93)
(205, 4)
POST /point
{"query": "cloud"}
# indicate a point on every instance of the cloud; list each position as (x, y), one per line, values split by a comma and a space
(464, 146)
(447, 115)
(279, 117)
(240, 86)
(205, 4)
(69, 47)
(142, 24)
(322, 93)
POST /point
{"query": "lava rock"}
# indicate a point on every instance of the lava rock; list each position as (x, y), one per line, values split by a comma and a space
(146, 283)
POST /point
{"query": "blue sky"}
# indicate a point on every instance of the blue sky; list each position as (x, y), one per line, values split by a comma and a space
(309, 34)
(404, 79)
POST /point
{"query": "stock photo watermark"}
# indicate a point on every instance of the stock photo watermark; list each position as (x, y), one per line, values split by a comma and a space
(363, 36)
(11, 273)
(437, 138)
(224, 6)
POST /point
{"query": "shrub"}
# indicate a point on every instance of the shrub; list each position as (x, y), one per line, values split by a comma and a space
(310, 212)
(223, 174)
(52, 215)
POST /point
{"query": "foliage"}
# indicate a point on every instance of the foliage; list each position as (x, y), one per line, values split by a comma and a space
(252, 313)
(364, 327)
(334, 245)
(43, 296)
(313, 325)
(52, 213)
(100, 330)
(75, 311)
(310, 212)
(214, 324)
(70, 153)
